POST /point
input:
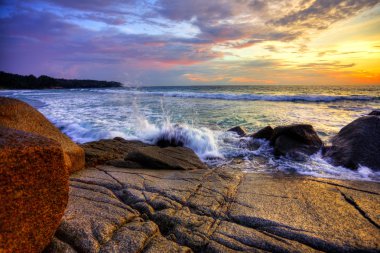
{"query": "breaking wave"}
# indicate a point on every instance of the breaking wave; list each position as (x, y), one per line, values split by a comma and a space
(93, 114)
(245, 96)
(202, 140)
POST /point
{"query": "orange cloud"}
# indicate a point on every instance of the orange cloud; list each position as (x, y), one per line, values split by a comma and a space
(250, 80)
(203, 78)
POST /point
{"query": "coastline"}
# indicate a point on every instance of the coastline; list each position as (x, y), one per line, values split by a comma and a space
(19, 82)
(128, 196)
(216, 210)
(146, 208)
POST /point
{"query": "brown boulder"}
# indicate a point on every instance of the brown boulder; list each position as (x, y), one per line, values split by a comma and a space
(265, 133)
(240, 130)
(34, 190)
(112, 150)
(295, 139)
(19, 115)
(176, 158)
(357, 143)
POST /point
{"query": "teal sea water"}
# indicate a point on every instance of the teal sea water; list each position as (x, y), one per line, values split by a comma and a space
(199, 117)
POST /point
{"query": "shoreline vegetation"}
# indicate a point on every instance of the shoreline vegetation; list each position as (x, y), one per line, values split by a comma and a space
(117, 195)
(18, 82)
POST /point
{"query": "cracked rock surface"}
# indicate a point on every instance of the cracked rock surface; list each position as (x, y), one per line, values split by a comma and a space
(143, 210)
(139, 209)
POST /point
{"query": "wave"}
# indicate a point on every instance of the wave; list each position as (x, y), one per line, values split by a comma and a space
(246, 96)
(201, 140)
(216, 148)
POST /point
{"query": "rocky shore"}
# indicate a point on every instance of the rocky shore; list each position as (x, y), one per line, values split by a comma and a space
(132, 197)
(127, 209)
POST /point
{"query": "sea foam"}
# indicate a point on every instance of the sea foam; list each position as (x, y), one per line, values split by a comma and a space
(244, 96)
(201, 140)
(93, 114)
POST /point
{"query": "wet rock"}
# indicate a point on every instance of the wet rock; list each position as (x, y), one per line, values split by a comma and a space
(265, 133)
(177, 158)
(357, 143)
(295, 139)
(19, 115)
(240, 130)
(124, 164)
(174, 136)
(103, 151)
(34, 190)
(171, 142)
(219, 210)
(375, 113)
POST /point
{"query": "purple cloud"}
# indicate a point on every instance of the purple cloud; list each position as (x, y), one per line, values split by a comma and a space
(322, 13)
(105, 38)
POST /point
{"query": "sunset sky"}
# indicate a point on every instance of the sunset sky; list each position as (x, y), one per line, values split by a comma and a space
(194, 42)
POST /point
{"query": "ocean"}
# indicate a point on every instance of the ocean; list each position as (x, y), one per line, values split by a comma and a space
(199, 117)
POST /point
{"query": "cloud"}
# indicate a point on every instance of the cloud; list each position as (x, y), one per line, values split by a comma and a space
(187, 40)
(94, 5)
(248, 80)
(69, 41)
(326, 65)
(203, 78)
(320, 14)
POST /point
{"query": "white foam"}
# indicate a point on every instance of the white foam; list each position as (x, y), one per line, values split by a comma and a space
(244, 96)
(220, 148)
(316, 165)
(92, 116)
(201, 140)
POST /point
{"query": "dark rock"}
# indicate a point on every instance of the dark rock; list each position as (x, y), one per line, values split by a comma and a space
(375, 113)
(240, 130)
(21, 116)
(124, 164)
(100, 152)
(295, 139)
(33, 190)
(265, 133)
(59, 246)
(325, 149)
(175, 136)
(172, 142)
(177, 158)
(357, 143)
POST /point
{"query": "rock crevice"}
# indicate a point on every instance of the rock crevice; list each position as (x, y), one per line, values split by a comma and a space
(217, 211)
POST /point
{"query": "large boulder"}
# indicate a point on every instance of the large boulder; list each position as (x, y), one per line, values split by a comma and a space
(375, 113)
(239, 130)
(265, 133)
(110, 150)
(19, 115)
(177, 158)
(356, 144)
(34, 190)
(295, 139)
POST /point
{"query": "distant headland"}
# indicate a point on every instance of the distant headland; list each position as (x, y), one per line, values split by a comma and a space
(14, 81)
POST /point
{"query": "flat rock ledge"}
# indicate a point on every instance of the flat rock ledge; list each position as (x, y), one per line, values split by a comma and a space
(113, 209)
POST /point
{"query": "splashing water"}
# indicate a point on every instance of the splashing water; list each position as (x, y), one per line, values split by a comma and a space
(197, 117)
(201, 140)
